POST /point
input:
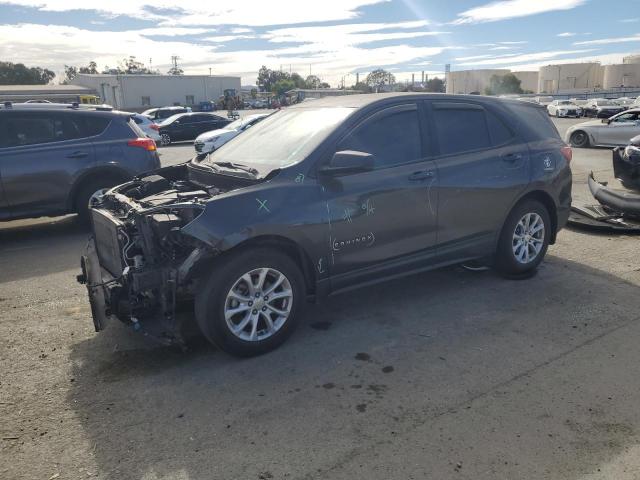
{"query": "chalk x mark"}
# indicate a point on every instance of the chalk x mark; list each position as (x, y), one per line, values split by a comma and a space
(263, 205)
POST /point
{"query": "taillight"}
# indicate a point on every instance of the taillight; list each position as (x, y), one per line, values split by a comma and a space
(155, 127)
(146, 143)
(567, 153)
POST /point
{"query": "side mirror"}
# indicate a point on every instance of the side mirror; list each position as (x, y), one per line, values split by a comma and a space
(348, 161)
(606, 120)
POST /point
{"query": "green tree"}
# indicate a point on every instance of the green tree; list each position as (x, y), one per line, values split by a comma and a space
(282, 86)
(435, 85)
(324, 85)
(362, 87)
(298, 80)
(503, 84)
(379, 77)
(19, 74)
(313, 81)
(70, 72)
(254, 93)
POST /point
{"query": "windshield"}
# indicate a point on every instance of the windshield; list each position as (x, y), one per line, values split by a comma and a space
(565, 102)
(149, 112)
(605, 103)
(283, 139)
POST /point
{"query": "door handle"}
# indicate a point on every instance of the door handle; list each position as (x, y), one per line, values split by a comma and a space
(421, 175)
(511, 157)
(77, 155)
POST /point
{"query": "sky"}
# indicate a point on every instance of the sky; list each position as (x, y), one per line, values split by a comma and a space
(333, 39)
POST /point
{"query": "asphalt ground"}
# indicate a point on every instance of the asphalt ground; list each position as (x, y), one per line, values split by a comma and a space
(447, 374)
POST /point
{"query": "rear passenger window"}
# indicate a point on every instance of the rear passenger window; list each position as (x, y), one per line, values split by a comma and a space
(461, 128)
(498, 131)
(392, 137)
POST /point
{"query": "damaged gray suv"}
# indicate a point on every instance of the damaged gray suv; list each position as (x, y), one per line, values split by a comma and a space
(322, 197)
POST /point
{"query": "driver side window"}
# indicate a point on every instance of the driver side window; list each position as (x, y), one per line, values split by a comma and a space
(392, 136)
(626, 117)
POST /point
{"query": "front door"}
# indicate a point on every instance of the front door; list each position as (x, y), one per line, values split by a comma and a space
(377, 218)
(622, 128)
(482, 167)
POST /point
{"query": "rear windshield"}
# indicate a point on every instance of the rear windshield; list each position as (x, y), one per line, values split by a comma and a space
(138, 131)
(536, 121)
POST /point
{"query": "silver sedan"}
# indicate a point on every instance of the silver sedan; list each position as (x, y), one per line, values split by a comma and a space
(608, 132)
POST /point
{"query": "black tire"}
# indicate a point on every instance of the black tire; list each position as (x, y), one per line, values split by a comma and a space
(579, 139)
(165, 139)
(212, 296)
(505, 258)
(86, 191)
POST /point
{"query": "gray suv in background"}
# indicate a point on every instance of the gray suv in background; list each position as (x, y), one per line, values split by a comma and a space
(55, 157)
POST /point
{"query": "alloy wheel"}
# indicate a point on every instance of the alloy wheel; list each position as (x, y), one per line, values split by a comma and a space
(258, 304)
(528, 238)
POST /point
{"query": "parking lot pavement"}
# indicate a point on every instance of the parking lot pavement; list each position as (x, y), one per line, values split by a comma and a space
(448, 374)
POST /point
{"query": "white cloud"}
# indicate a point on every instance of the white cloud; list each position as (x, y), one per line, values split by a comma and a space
(198, 12)
(630, 20)
(607, 41)
(505, 9)
(527, 57)
(566, 34)
(75, 46)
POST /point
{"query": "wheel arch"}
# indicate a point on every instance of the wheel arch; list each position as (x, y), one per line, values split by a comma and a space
(283, 245)
(546, 200)
(117, 173)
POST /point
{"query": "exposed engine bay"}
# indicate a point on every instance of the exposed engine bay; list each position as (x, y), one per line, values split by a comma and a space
(144, 264)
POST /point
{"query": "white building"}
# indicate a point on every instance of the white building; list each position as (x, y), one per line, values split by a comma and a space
(471, 81)
(570, 77)
(139, 92)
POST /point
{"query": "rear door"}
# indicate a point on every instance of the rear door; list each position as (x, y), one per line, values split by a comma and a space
(44, 151)
(482, 167)
(378, 217)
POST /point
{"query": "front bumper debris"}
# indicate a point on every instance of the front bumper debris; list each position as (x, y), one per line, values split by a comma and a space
(618, 211)
(91, 276)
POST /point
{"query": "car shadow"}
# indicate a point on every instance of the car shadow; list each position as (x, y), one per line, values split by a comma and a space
(35, 247)
(157, 412)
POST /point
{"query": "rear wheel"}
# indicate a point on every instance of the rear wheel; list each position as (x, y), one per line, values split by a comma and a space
(524, 239)
(250, 303)
(165, 139)
(579, 139)
(90, 193)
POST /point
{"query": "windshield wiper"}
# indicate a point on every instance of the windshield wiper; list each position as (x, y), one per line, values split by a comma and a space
(237, 166)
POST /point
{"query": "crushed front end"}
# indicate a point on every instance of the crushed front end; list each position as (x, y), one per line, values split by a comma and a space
(139, 266)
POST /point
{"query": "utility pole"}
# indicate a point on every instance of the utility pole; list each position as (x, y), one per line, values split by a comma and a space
(209, 71)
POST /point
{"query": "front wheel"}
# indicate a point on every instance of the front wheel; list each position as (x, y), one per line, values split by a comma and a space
(250, 303)
(524, 239)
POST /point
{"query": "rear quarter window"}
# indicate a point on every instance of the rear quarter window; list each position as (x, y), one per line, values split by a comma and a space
(536, 122)
(90, 125)
(461, 128)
